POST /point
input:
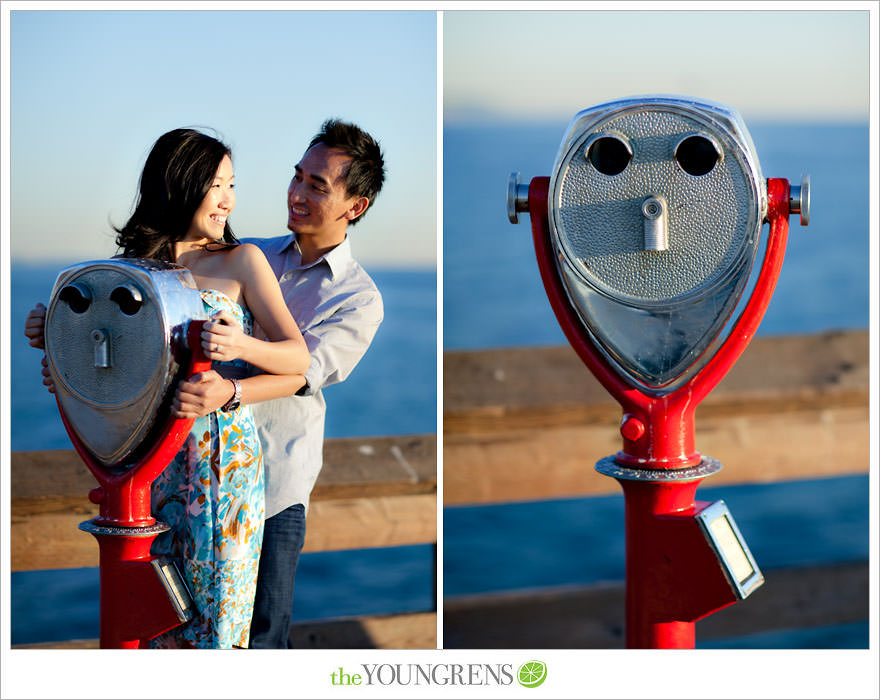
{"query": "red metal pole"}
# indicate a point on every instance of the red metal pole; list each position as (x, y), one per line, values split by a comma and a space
(647, 627)
(134, 605)
(672, 577)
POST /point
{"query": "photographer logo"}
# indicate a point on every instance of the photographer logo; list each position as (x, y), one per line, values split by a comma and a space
(531, 674)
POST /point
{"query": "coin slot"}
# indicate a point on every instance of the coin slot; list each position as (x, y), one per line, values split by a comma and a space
(101, 340)
(609, 154)
(128, 298)
(77, 297)
(697, 154)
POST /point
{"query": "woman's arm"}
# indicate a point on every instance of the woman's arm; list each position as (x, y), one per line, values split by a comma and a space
(285, 352)
(206, 392)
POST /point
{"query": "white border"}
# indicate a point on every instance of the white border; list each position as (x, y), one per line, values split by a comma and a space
(572, 674)
(439, 563)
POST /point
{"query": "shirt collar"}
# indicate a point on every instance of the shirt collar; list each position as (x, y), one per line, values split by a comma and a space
(337, 258)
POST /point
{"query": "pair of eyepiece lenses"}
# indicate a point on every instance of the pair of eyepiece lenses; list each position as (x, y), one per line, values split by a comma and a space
(79, 298)
(610, 154)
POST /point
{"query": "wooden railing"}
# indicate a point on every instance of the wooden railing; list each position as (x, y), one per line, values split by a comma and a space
(528, 424)
(372, 492)
(524, 425)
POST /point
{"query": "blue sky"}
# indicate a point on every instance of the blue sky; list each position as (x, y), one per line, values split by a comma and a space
(90, 91)
(786, 64)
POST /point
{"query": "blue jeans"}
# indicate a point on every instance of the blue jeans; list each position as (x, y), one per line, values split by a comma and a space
(283, 539)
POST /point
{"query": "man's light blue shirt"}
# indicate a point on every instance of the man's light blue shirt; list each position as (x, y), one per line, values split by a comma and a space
(338, 309)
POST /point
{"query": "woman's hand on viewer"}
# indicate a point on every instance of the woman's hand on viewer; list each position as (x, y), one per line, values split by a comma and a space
(223, 339)
(201, 394)
(34, 325)
(33, 329)
(47, 378)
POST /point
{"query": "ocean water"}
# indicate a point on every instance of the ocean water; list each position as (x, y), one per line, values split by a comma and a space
(580, 541)
(492, 292)
(393, 391)
(493, 297)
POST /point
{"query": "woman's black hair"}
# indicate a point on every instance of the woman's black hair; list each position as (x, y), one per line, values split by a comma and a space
(178, 173)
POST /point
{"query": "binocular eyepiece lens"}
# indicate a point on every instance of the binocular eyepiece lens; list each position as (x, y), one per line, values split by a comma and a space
(128, 298)
(609, 154)
(77, 297)
(697, 155)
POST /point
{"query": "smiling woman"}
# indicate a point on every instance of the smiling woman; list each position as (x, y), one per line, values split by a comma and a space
(212, 494)
(209, 221)
(179, 187)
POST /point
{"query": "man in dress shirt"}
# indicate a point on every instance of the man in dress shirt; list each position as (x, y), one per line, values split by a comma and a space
(338, 310)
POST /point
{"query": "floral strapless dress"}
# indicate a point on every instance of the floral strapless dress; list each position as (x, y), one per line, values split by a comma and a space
(212, 496)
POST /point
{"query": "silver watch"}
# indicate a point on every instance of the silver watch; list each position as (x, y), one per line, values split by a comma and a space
(235, 401)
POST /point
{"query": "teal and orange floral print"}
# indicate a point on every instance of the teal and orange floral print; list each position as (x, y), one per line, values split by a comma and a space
(212, 497)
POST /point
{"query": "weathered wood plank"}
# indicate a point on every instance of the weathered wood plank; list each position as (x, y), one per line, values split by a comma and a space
(52, 540)
(373, 492)
(407, 631)
(356, 523)
(593, 617)
(411, 631)
(377, 466)
(558, 462)
(52, 480)
(530, 423)
(532, 387)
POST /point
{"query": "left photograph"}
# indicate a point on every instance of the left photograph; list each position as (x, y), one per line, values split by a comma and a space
(222, 329)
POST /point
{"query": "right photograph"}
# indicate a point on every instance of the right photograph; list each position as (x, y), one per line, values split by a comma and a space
(655, 330)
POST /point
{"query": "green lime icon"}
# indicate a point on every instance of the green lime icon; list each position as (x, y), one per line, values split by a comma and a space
(532, 673)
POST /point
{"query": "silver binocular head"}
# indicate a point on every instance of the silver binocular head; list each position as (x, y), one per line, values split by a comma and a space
(655, 209)
(115, 339)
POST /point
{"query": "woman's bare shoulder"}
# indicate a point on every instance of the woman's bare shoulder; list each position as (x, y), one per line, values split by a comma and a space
(249, 261)
(243, 249)
(247, 253)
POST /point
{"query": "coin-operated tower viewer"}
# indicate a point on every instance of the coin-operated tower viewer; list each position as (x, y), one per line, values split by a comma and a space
(120, 334)
(646, 236)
